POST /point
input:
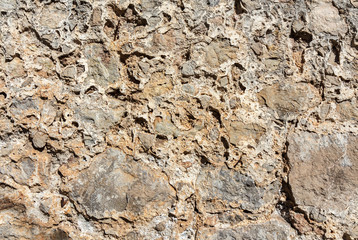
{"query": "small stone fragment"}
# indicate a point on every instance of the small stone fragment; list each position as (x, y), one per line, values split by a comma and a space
(15, 68)
(147, 140)
(220, 188)
(39, 140)
(120, 185)
(239, 132)
(188, 69)
(160, 227)
(326, 19)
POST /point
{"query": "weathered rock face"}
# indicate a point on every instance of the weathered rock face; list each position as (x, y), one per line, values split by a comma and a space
(196, 119)
(275, 228)
(221, 189)
(113, 185)
(323, 176)
(290, 98)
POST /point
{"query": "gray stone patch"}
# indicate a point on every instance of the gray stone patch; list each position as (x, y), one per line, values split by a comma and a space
(112, 186)
(231, 188)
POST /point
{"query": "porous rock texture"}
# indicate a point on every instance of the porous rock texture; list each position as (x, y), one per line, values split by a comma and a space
(179, 119)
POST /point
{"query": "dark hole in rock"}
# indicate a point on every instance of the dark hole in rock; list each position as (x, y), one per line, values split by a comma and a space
(239, 7)
(114, 92)
(336, 51)
(301, 36)
(204, 160)
(59, 234)
(141, 121)
(167, 17)
(216, 114)
(162, 137)
(3, 94)
(226, 155)
(225, 142)
(91, 89)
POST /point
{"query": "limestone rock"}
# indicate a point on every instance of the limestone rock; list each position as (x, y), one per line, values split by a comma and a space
(195, 119)
(348, 111)
(220, 189)
(326, 19)
(121, 185)
(188, 69)
(16, 68)
(275, 228)
(39, 139)
(103, 65)
(323, 174)
(219, 52)
(240, 132)
(289, 99)
(7, 5)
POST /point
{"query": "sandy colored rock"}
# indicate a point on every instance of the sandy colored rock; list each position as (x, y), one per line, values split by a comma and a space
(240, 132)
(121, 188)
(39, 139)
(274, 228)
(178, 119)
(16, 68)
(289, 99)
(324, 167)
(220, 189)
(348, 111)
(326, 19)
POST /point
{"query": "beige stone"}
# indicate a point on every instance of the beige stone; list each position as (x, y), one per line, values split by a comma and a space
(241, 132)
(289, 99)
(325, 18)
(323, 173)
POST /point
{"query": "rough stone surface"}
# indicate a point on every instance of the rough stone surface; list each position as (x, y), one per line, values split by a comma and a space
(323, 176)
(195, 119)
(274, 228)
(113, 185)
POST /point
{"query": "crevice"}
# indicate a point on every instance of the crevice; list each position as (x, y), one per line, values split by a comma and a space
(91, 89)
(216, 114)
(124, 57)
(225, 143)
(69, 59)
(301, 36)
(162, 137)
(126, 220)
(204, 160)
(322, 89)
(131, 77)
(242, 87)
(39, 38)
(289, 208)
(141, 121)
(289, 203)
(116, 31)
(127, 16)
(239, 8)
(336, 51)
(5, 185)
(114, 93)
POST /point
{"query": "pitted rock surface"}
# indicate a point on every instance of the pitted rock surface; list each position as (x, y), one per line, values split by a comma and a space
(173, 119)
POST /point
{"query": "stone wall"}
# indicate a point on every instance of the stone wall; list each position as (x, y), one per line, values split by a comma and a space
(179, 119)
